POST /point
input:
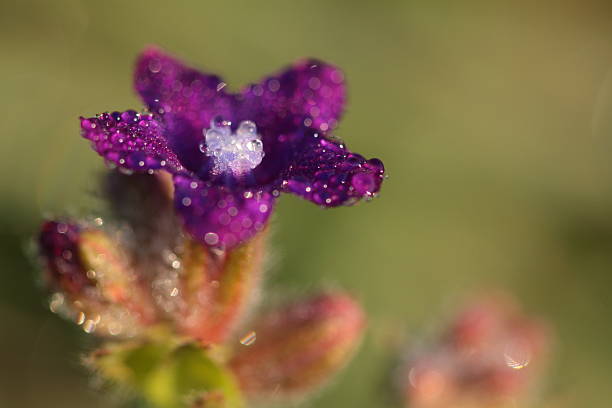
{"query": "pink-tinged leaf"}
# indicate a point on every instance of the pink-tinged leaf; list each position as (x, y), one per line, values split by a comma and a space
(219, 288)
(116, 280)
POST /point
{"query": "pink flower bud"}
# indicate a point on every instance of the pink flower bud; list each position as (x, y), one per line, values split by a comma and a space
(490, 353)
(94, 282)
(297, 348)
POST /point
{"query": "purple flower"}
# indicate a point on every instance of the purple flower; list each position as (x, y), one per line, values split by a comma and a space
(232, 154)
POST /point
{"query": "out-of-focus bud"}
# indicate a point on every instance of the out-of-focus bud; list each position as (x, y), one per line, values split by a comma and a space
(95, 284)
(219, 287)
(144, 203)
(489, 357)
(296, 349)
(169, 374)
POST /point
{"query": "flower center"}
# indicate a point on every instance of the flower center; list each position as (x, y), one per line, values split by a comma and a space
(235, 153)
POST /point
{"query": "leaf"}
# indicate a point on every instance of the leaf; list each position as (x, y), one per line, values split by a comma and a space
(169, 376)
(220, 290)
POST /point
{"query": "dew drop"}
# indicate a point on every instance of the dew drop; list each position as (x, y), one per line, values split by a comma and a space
(211, 238)
(248, 339)
(115, 328)
(80, 318)
(257, 90)
(314, 83)
(56, 302)
(517, 355)
(89, 326)
(155, 65)
(273, 85)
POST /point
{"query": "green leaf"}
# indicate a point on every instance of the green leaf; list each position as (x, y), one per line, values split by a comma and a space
(170, 376)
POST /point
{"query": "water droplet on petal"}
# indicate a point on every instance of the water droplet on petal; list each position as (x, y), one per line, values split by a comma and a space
(211, 238)
(155, 65)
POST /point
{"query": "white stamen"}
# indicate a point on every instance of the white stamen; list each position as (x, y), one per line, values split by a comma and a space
(236, 153)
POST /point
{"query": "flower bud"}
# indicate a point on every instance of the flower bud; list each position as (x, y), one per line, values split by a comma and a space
(96, 285)
(298, 348)
(489, 355)
(58, 243)
(144, 203)
(218, 288)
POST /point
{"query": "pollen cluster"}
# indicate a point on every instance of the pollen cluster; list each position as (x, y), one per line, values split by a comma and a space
(235, 153)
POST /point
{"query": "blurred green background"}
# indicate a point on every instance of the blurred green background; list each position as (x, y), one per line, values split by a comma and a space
(494, 120)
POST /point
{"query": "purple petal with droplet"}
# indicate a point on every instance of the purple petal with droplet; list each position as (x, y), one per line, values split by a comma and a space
(307, 97)
(310, 93)
(130, 140)
(329, 175)
(220, 217)
(187, 99)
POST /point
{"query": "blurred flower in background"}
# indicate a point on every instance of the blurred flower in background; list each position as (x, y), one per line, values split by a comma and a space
(490, 354)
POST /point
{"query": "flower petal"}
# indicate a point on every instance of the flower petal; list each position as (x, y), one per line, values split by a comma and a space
(219, 217)
(328, 174)
(130, 140)
(187, 98)
(310, 93)
(287, 107)
(298, 347)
